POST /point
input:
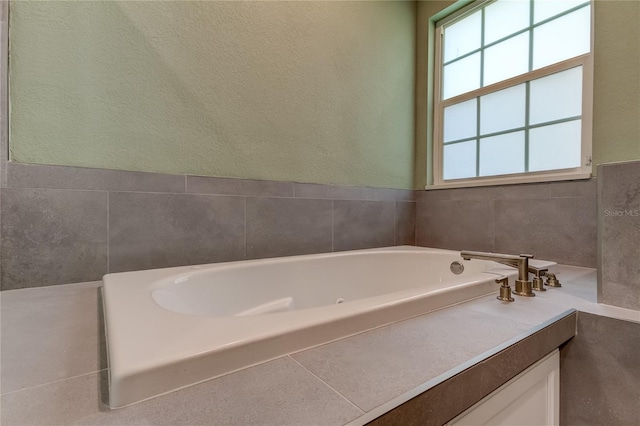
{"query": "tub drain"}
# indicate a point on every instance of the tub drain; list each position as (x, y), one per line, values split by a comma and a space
(339, 300)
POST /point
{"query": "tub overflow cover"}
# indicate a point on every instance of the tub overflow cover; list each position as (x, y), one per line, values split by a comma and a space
(456, 267)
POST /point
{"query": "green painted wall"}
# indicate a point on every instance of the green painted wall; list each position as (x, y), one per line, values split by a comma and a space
(616, 74)
(616, 103)
(300, 91)
(320, 92)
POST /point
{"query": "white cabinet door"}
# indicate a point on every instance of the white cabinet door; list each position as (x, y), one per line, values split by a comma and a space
(530, 398)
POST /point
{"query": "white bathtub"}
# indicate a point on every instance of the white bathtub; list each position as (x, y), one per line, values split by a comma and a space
(171, 328)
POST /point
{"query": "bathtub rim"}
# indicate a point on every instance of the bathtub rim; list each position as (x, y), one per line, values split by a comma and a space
(130, 366)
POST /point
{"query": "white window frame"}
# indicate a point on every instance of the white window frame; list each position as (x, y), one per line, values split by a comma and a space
(586, 61)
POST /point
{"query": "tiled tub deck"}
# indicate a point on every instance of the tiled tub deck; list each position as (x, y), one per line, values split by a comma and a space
(54, 370)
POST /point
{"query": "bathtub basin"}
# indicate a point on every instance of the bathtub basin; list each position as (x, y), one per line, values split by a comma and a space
(175, 327)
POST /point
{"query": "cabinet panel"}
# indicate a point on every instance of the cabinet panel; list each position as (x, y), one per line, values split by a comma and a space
(530, 398)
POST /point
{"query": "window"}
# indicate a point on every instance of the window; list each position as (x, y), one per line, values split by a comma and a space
(512, 93)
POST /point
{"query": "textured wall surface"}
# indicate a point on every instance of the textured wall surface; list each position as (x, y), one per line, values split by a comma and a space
(297, 91)
(616, 86)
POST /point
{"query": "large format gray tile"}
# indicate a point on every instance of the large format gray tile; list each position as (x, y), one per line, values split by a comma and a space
(63, 177)
(456, 225)
(528, 310)
(433, 195)
(331, 192)
(619, 234)
(52, 237)
(390, 194)
(502, 192)
(4, 12)
(582, 188)
(60, 403)
(229, 186)
(573, 188)
(363, 224)
(279, 392)
(405, 223)
(49, 334)
(557, 229)
(442, 402)
(599, 373)
(287, 226)
(397, 358)
(160, 230)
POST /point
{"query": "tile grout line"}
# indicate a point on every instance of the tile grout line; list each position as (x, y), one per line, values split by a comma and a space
(327, 385)
(209, 194)
(108, 233)
(415, 227)
(333, 224)
(217, 194)
(55, 381)
(493, 225)
(395, 223)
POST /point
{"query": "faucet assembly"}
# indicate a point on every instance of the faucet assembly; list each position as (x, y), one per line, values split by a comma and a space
(521, 262)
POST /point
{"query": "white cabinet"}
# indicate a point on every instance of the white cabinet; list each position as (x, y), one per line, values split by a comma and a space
(530, 398)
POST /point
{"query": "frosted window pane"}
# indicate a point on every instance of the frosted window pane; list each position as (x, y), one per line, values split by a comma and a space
(462, 37)
(505, 17)
(462, 76)
(459, 160)
(556, 96)
(543, 9)
(555, 147)
(562, 38)
(460, 120)
(506, 59)
(500, 155)
(503, 110)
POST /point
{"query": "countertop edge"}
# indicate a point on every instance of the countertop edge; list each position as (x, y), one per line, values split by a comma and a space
(419, 403)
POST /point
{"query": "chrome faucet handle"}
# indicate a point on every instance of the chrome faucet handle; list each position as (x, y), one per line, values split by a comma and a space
(505, 290)
(528, 256)
(537, 280)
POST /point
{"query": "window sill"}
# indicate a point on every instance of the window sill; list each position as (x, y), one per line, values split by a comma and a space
(495, 181)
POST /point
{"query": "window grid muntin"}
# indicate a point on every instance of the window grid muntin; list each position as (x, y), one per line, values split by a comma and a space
(529, 29)
(527, 108)
(526, 128)
(516, 129)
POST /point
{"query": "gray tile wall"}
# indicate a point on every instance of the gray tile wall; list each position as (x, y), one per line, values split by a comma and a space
(553, 221)
(288, 226)
(599, 374)
(152, 230)
(52, 236)
(62, 225)
(361, 224)
(619, 234)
